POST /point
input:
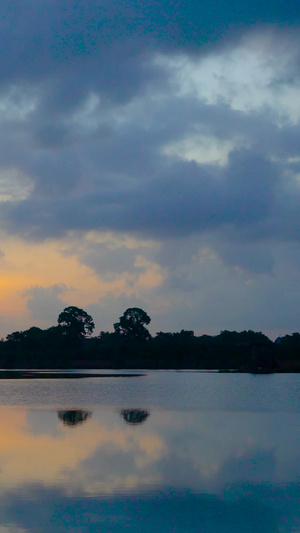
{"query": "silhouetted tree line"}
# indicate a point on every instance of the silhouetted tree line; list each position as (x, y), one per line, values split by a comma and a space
(69, 344)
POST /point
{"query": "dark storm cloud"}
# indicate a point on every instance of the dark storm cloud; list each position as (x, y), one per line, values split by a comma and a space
(112, 170)
(68, 50)
(184, 198)
(120, 176)
(42, 38)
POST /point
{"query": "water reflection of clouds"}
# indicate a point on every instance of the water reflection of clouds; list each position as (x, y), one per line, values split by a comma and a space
(196, 450)
(88, 458)
(231, 472)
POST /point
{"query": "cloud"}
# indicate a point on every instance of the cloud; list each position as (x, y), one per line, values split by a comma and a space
(170, 121)
(111, 262)
(185, 198)
(44, 302)
(110, 169)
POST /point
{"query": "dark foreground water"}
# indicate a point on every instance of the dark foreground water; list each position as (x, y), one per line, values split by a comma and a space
(165, 452)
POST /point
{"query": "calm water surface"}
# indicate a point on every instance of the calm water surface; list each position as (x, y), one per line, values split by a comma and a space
(180, 452)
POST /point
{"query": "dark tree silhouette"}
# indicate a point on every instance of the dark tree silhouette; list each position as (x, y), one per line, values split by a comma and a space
(32, 334)
(73, 417)
(134, 416)
(76, 322)
(132, 324)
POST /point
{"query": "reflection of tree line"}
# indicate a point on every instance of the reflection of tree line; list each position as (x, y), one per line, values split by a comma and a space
(74, 417)
(134, 416)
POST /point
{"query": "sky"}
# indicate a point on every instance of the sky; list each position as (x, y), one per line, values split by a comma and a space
(150, 157)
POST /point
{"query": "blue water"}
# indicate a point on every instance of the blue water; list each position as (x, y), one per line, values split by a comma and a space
(166, 452)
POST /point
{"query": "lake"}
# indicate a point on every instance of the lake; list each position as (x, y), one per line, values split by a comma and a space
(166, 451)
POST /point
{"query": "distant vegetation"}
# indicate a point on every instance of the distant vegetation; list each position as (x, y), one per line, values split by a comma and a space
(70, 344)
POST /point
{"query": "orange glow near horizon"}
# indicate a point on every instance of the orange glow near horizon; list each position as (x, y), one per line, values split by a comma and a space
(25, 266)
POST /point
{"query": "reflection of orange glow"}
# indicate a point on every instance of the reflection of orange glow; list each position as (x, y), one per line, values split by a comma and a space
(26, 457)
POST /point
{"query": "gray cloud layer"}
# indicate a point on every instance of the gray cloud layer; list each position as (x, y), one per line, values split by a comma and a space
(114, 174)
(92, 110)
